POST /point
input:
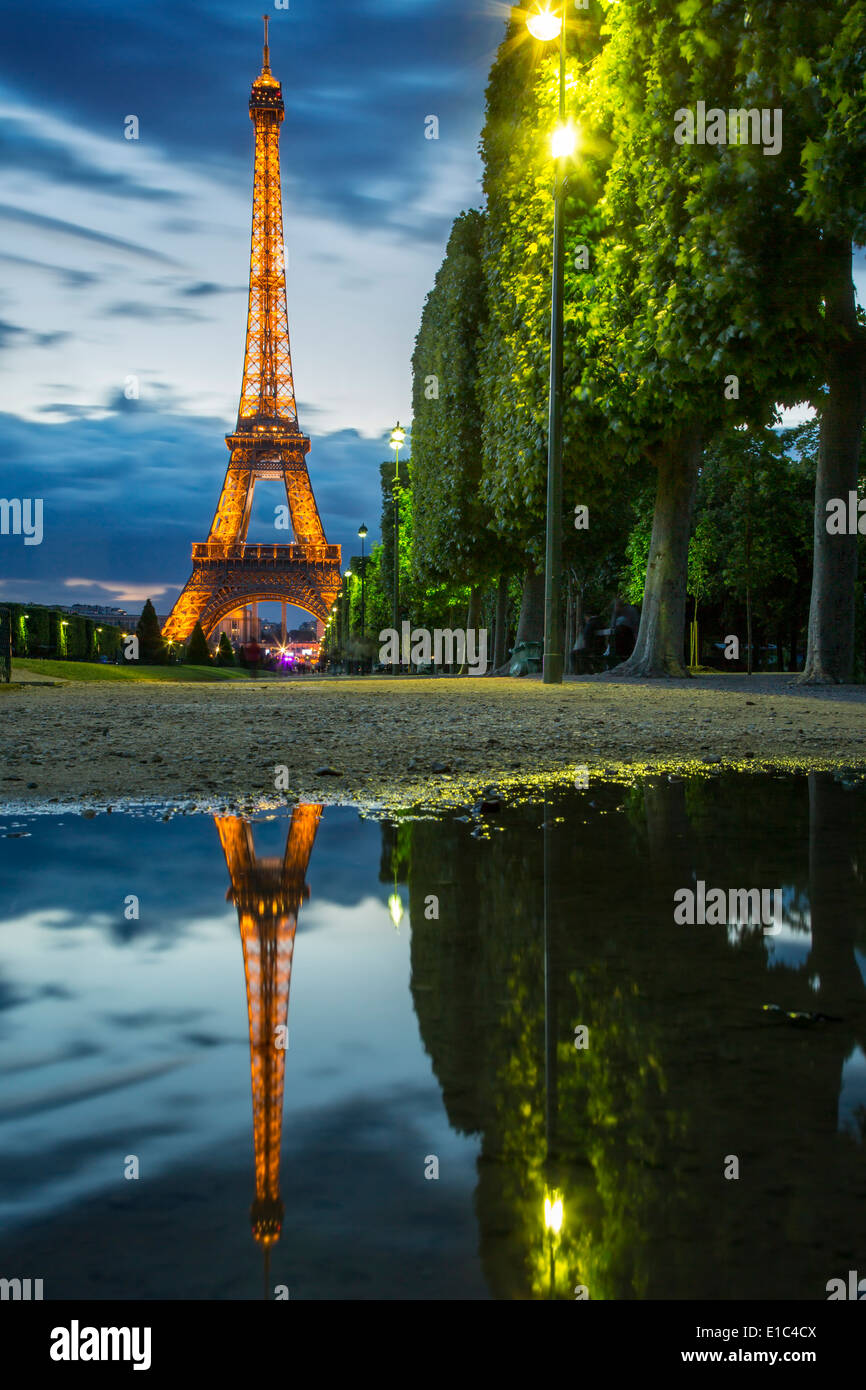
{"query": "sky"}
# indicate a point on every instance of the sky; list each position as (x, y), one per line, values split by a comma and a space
(124, 263)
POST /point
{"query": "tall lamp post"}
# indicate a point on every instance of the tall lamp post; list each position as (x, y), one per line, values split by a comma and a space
(347, 620)
(544, 25)
(362, 532)
(397, 437)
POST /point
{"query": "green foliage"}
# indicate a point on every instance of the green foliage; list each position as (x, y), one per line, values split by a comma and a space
(44, 632)
(197, 651)
(705, 263)
(225, 655)
(517, 250)
(451, 541)
(754, 527)
(152, 647)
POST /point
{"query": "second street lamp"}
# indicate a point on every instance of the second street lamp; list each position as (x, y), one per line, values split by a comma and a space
(545, 25)
(347, 622)
(362, 532)
(397, 437)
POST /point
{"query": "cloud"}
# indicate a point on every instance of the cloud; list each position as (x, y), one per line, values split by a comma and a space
(358, 82)
(12, 335)
(123, 593)
(136, 309)
(202, 288)
(72, 279)
(57, 225)
(23, 147)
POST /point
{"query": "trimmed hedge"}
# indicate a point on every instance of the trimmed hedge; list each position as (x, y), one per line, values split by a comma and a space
(39, 631)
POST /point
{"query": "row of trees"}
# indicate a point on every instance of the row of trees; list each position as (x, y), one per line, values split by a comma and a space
(705, 286)
(50, 633)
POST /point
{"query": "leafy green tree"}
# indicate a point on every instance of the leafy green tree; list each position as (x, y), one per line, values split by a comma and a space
(694, 334)
(814, 59)
(452, 544)
(197, 651)
(386, 554)
(752, 543)
(152, 647)
(225, 655)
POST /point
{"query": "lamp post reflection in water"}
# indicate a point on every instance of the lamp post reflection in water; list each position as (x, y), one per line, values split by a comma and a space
(554, 1210)
(268, 893)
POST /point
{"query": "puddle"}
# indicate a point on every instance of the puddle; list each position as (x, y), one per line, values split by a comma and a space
(487, 1014)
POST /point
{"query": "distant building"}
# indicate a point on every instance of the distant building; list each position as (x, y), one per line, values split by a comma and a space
(100, 613)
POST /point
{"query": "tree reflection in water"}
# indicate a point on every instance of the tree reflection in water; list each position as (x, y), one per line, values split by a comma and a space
(682, 1068)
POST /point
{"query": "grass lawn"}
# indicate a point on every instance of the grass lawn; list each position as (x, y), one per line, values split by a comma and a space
(92, 671)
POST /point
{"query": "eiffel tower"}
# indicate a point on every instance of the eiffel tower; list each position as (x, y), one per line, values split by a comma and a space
(268, 894)
(267, 443)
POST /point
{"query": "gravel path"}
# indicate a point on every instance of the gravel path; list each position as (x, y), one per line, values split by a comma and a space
(400, 740)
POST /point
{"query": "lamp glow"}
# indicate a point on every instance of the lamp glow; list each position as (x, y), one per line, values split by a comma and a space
(398, 435)
(395, 907)
(553, 1213)
(543, 25)
(564, 141)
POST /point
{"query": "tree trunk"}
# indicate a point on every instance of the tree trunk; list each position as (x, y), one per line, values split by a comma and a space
(830, 649)
(471, 622)
(660, 639)
(500, 649)
(530, 624)
(579, 620)
(795, 637)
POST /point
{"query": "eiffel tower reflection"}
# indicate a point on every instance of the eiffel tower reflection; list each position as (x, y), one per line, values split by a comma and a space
(268, 894)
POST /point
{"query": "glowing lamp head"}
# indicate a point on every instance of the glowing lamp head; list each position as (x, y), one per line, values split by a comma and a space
(362, 530)
(564, 141)
(395, 907)
(543, 25)
(397, 436)
(553, 1213)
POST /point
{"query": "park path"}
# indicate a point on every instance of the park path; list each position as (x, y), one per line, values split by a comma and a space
(387, 739)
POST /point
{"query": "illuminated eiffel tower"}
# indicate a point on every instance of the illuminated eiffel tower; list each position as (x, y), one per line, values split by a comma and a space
(267, 443)
(268, 894)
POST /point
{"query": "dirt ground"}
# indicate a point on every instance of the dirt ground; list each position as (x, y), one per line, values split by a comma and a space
(398, 741)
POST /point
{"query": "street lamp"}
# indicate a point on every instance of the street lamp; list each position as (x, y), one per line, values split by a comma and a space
(362, 532)
(397, 437)
(347, 621)
(544, 25)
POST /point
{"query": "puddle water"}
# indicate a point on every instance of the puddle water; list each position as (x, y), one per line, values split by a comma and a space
(488, 1016)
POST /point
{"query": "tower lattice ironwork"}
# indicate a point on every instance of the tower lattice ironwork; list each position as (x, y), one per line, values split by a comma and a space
(267, 443)
(268, 893)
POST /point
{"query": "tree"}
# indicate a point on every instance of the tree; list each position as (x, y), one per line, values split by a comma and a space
(696, 335)
(386, 553)
(152, 647)
(752, 541)
(452, 542)
(815, 59)
(197, 651)
(225, 655)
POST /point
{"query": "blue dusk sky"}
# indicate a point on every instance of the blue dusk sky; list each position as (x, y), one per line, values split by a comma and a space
(128, 259)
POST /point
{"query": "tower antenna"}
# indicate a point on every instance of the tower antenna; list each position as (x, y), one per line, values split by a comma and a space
(266, 65)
